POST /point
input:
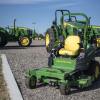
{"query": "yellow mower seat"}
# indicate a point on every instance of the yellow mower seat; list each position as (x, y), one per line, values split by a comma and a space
(71, 46)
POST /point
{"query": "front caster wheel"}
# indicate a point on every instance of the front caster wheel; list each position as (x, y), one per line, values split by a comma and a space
(64, 89)
(31, 82)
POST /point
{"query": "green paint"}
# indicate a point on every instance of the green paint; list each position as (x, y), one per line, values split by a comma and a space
(66, 64)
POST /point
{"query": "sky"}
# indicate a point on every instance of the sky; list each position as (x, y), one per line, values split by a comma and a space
(40, 13)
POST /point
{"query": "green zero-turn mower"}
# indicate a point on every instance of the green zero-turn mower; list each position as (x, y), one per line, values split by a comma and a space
(21, 34)
(74, 47)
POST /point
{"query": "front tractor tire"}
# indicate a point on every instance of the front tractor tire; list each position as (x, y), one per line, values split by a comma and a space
(24, 41)
(31, 82)
(49, 40)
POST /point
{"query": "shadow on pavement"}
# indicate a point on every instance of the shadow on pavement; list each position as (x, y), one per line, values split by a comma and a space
(37, 46)
(11, 47)
(94, 86)
(18, 47)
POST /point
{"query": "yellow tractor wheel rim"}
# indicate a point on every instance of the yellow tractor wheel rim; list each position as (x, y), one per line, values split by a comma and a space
(47, 39)
(97, 72)
(25, 41)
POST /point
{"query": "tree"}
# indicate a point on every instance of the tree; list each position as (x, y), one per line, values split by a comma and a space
(41, 36)
(35, 34)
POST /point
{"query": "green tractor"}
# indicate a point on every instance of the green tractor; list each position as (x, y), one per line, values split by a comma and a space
(67, 23)
(74, 47)
(21, 34)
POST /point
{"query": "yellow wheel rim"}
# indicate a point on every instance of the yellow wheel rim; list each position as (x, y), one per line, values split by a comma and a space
(25, 41)
(97, 72)
(47, 39)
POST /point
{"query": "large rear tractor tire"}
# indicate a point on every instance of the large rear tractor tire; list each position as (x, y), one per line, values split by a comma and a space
(49, 40)
(3, 40)
(24, 41)
(31, 82)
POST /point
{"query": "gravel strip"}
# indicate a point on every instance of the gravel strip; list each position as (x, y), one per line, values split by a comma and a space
(21, 59)
(4, 95)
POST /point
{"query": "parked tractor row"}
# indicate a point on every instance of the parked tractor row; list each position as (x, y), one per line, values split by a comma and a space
(21, 34)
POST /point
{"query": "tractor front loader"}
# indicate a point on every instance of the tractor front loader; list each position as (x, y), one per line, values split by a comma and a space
(73, 46)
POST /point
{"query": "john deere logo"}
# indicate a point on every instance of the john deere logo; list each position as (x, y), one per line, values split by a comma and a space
(67, 62)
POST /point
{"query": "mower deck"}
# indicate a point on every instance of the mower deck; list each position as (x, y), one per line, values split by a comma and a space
(56, 77)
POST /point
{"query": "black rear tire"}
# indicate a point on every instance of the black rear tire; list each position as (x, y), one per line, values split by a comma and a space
(50, 45)
(3, 40)
(94, 69)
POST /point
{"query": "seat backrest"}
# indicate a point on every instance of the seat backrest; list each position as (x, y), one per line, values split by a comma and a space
(72, 43)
